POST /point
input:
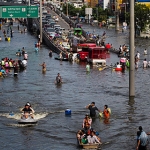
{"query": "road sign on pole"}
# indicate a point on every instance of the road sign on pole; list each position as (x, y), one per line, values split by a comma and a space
(14, 11)
(32, 11)
(19, 12)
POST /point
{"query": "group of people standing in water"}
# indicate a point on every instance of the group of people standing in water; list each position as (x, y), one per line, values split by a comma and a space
(126, 62)
(87, 134)
(8, 63)
(146, 64)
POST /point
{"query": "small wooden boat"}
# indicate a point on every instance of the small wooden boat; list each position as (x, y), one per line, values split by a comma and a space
(64, 59)
(89, 146)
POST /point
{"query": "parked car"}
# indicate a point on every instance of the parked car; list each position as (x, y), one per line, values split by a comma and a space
(57, 26)
(44, 14)
(48, 16)
(50, 31)
(51, 20)
(52, 24)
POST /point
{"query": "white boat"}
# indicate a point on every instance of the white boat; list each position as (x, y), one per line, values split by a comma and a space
(28, 120)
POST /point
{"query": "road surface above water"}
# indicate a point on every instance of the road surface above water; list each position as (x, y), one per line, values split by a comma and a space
(54, 130)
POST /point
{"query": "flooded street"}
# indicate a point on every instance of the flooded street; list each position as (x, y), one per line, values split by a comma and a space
(54, 130)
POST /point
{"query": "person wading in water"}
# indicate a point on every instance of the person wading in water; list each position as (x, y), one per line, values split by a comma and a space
(58, 79)
(43, 67)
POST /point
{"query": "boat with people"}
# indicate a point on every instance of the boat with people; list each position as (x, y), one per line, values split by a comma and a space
(88, 146)
(84, 141)
(27, 116)
(87, 137)
(63, 59)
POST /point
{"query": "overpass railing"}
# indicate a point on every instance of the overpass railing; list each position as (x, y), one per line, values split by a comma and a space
(68, 20)
(48, 41)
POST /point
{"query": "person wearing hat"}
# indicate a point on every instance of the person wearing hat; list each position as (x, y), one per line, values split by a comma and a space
(27, 111)
(92, 109)
(142, 139)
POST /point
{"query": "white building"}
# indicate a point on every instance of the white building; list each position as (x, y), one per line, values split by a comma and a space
(105, 4)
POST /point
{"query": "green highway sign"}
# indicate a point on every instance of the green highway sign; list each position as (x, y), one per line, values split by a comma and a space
(19, 12)
(32, 11)
(14, 11)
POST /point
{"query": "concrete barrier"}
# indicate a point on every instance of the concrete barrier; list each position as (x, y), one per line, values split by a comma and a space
(48, 41)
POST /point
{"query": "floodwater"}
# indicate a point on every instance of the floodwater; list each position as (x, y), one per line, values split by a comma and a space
(54, 130)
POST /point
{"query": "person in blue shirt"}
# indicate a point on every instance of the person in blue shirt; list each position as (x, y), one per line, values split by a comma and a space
(3, 71)
(142, 139)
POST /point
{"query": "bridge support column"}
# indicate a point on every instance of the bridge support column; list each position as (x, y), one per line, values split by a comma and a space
(30, 24)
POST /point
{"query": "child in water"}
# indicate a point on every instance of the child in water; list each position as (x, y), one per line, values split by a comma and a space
(106, 112)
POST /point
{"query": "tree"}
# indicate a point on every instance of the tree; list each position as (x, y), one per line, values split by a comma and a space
(142, 17)
(72, 10)
(102, 14)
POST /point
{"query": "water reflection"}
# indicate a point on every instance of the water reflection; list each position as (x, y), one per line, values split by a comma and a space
(131, 108)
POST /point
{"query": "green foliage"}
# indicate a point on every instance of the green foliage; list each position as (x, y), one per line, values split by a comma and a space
(72, 11)
(142, 16)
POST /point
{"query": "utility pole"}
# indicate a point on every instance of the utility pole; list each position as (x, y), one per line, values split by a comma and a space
(67, 8)
(41, 21)
(132, 67)
(117, 15)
